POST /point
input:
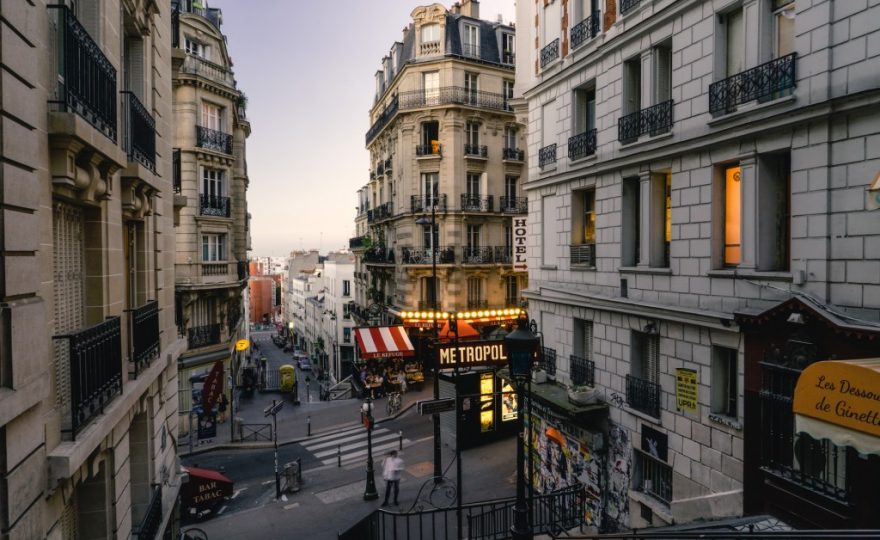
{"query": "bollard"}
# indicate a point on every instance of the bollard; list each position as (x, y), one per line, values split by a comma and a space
(309, 420)
(400, 433)
(339, 455)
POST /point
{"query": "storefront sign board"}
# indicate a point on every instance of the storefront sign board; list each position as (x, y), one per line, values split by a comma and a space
(841, 392)
(471, 354)
(686, 390)
(436, 406)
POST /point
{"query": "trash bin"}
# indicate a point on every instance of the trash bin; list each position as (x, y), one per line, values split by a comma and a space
(292, 476)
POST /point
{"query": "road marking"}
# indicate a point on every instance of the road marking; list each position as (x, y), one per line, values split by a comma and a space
(221, 510)
(358, 444)
(289, 506)
(237, 491)
(267, 482)
(362, 453)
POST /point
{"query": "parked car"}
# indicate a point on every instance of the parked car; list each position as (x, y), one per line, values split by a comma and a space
(304, 363)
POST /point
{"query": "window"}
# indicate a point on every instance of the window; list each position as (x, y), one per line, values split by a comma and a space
(652, 477)
(431, 86)
(783, 27)
(583, 227)
(212, 182)
(430, 188)
(724, 381)
(510, 134)
(473, 184)
(552, 21)
(211, 116)
(512, 287)
(346, 288)
(430, 33)
(510, 187)
(195, 48)
(475, 291)
(643, 382)
(471, 40)
(430, 135)
(428, 287)
(133, 66)
(734, 42)
(473, 237)
(659, 229)
(632, 86)
(471, 88)
(346, 334)
(732, 207)
(631, 224)
(508, 48)
(472, 135)
(774, 212)
(429, 240)
(584, 109)
(507, 91)
(584, 9)
(662, 59)
(213, 247)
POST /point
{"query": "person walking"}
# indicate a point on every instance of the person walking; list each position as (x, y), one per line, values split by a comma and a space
(221, 408)
(391, 470)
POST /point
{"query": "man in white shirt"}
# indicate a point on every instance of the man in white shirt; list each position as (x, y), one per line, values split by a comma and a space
(391, 468)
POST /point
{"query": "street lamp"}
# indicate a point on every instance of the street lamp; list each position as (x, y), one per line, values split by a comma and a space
(438, 473)
(370, 492)
(521, 345)
(273, 410)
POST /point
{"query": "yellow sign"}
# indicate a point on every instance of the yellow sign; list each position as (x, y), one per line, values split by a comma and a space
(242, 345)
(841, 392)
(686, 392)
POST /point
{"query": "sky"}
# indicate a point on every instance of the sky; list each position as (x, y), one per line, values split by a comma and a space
(307, 68)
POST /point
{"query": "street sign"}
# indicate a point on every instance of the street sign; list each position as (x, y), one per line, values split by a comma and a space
(435, 406)
(242, 345)
(273, 408)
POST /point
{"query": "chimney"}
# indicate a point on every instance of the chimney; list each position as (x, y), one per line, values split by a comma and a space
(470, 8)
(455, 9)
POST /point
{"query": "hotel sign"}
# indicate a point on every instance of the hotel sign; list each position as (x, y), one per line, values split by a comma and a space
(843, 393)
(471, 354)
(520, 231)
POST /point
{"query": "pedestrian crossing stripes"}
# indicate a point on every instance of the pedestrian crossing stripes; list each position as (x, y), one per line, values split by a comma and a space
(352, 444)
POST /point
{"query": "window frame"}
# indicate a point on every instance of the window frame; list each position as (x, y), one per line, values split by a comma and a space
(214, 247)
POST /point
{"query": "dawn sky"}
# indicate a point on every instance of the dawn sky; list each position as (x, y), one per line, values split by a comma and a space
(307, 69)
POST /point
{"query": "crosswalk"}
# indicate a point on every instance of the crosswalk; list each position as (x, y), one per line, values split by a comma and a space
(351, 443)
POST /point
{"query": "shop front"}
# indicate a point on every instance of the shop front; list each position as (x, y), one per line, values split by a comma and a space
(386, 360)
(488, 411)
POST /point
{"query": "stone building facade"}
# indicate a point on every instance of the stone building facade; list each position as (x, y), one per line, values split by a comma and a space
(210, 203)
(698, 218)
(88, 361)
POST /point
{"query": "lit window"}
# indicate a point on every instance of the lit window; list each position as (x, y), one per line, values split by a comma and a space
(732, 216)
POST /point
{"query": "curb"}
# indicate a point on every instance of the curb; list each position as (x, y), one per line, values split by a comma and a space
(264, 445)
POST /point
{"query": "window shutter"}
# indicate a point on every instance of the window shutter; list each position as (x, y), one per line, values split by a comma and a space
(652, 362)
(68, 223)
(588, 340)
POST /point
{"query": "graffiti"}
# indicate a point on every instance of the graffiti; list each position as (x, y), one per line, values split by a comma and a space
(616, 399)
(616, 515)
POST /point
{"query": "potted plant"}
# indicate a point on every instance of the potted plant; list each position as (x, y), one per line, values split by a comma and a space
(583, 394)
(539, 376)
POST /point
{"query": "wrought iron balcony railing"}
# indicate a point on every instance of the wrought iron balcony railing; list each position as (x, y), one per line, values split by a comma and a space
(214, 205)
(628, 5)
(211, 139)
(433, 150)
(768, 81)
(515, 205)
(549, 53)
(585, 30)
(389, 166)
(379, 255)
(145, 335)
(583, 371)
(583, 254)
(196, 65)
(504, 255)
(94, 371)
(176, 173)
(547, 155)
(547, 361)
(477, 255)
(470, 49)
(443, 254)
(356, 242)
(139, 131)
(86, 79)
(383, 211)
(477, 303)
(643, 395)
(512, 154)
(476, 150)
(476, 203)
(243, 270)
(203, 336)
(652, 121)
(423, 203)
(389, 112)
(196, 8)
(380, 168)
(508, 58)
(582, 145)
(149, 526)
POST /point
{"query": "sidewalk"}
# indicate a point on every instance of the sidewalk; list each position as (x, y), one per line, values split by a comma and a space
(293, 420)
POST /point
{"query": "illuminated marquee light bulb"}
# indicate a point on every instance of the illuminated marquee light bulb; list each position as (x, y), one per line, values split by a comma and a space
(493, 313)
(446, 315)
(461, 315)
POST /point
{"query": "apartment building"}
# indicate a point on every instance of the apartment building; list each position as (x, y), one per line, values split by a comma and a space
(210, 204)
(703, 228)
(302, 273)
(89, 352)
(446, 157)
(337, 353)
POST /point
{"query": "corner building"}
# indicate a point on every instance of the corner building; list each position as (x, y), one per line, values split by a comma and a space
(88, 361)
(703, 227)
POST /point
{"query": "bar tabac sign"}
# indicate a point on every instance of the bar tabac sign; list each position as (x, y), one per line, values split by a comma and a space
(841, 392)
(471, 354)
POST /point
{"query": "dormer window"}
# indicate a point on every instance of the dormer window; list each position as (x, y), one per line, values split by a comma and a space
(470, 41)
(196, 48)
(430, 39)
(508, 48)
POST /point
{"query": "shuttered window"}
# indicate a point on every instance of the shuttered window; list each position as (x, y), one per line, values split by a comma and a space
(68, 224)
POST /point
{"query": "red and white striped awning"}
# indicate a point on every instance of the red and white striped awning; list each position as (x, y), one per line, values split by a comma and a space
(383, 342)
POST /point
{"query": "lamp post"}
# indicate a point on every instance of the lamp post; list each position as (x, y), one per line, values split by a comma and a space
(370, 492)
(438, 472)
(521, 345)
(273, 410)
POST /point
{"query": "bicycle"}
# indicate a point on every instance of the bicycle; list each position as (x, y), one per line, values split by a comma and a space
(395, 401)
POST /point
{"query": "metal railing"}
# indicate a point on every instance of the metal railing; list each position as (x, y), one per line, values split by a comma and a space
(504, 255)
(643, 395)
(214, 205)
(150, 524)
(583, 371)
(656, 478)
(515, 205)
(549, 53)
(477, 303)
(548, 360)
(196, 65)
(477, 255)
(86, 79)
(769, 80)
(175, 25)
(429, 150)
(383, 211)
(95, 370)
(444, 255)
(176, 171)
(508, 58)
(470, 49)
(582, 145)
(547, 155)
(389, 112)
(423, 203)
(379, 254)
(628, 5)
(139, 131)
(654, 120)
(476, 150)
(585, 30)
(513, 154)
(203, 336)
(583, 254)
(243, 270)
(211, 139)
(476, 203)
(145, 335)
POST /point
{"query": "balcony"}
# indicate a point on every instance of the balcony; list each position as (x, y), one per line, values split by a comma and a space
(476, 150)
(583, 371)
(211, 14)
(652, 121)
(381, 212)
(475, 203)
(452, 95)
(585, 30)
(515, 205)
(549, 53)
(145, 335)
(643, 395)
(214, 269)
(211, 139)
(628, 5)
(380, 168)
(139, 132)
(214, 205)
(389, 112)
(476, 303)
(196, 65)
(477, 255)
(150, 524)
(471, 50)
(762, 83)
(379, 255)
(582, 145)
(86, 78)
(389, 166)
(548, 360)
(504, 255)
(547, 155)
(176, 171)
(243, 270)
(508, 58)
(443, 254)
(203, 336)
(424, 203)
(512, 154)
(93, 358)
(429, 150)
(429, 47)
(583, 254)
(357, 242)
